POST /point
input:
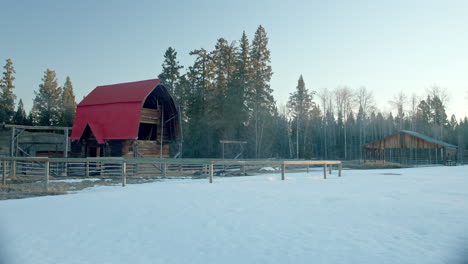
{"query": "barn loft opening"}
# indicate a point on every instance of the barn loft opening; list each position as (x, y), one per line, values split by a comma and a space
(153, 122)
(147, 132)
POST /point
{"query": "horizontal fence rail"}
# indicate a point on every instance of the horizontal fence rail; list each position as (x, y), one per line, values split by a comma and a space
(42, 169)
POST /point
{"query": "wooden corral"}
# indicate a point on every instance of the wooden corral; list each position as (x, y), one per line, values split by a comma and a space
(410, 147)
(131, 120)
(34, 141)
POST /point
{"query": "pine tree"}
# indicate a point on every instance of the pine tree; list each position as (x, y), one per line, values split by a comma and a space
(260, 99)
(7, 97)
(438, 116)
(48, 99)
(300, 103)
(170, 70)
(423, 116)
(20, 117)
(236, 98)
(198, 142)
(68, 105)
(222, 93)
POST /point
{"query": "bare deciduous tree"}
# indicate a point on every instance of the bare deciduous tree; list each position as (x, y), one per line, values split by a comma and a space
(344, 104)
(437, 91)
(399, 102)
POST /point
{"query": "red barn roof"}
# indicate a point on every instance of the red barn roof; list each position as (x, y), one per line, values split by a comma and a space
(113, 111)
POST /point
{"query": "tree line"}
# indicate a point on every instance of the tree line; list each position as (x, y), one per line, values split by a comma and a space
(226, 94)
(53, 105)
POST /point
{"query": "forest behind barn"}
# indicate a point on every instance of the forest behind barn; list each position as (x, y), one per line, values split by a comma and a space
(226, 94)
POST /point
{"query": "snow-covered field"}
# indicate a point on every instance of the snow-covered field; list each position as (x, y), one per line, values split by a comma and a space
(368, 216)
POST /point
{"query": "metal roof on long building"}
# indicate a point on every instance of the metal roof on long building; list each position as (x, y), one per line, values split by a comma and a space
(427, 138)
(418, 135)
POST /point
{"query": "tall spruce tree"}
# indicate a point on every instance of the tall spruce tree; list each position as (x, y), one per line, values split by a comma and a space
(198, 142)
(236, 98)
(299, 104)
(260, 99)
(68, 105)
(171, 70)
(20, 117)
(7, 97)
(220, 95)
(48, 100)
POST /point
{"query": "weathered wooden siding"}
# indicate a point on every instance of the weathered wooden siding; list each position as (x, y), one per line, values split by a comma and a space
(144, 148)
(150, 116)
(402, 140)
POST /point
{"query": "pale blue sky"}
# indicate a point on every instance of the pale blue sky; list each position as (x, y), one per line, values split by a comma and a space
(387, 46)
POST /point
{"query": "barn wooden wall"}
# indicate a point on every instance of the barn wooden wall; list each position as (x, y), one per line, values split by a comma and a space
(402, 140)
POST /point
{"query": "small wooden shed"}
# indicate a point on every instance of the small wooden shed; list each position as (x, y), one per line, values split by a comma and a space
(410, 147)
(135, 119)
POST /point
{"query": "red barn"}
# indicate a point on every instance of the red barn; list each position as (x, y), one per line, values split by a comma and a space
(136, 119)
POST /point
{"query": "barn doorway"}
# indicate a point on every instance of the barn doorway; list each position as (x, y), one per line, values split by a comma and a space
(93, 152)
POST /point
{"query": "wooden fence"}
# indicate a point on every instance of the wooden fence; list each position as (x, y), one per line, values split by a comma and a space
(130, 167)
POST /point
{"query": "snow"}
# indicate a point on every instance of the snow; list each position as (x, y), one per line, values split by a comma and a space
(417, 215)
(268, 169)
(76, 180)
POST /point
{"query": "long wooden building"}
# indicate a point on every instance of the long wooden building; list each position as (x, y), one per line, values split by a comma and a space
(136, 119)
(410, 147)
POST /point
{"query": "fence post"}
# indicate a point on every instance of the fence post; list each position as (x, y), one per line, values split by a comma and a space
(307, 168)
(243, 169)
(4, 172)
(165, 169)
(325, 171)
(12, 169)
(124, 173)
(46, 176)
(339, 169)
(87, 168)
(283, 171)
(211, 173)
(330, 169)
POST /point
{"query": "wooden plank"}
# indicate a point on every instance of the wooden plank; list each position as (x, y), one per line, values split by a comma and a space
(232, 142)
(46, 175)
(12, 142)
(38, 127)
(12, 169)
(211, 173)
(283, 171)
(124, 174)
(4, 172)
(152, 122)
(311, 162)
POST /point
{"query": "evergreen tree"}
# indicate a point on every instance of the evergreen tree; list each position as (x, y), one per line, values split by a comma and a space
(198, 142)
(300, 103)
(223, 62)
(68, 105)
(423, 116)
(170, 70)
(47, 101)
(7, 97)
(20, 117)
(438, 116)
(260, 97)
(236, 107)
